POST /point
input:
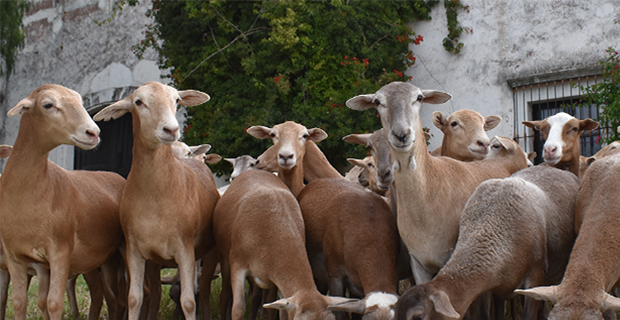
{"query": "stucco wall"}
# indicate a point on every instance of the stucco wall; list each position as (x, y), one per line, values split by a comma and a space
(511, 39)
(65, 46)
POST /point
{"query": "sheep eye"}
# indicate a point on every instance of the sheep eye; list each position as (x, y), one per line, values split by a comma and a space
(376, 102)
(251, 165)
(138, 102)
(454, 124)
(496, 146)
(178, 100)
(370, 165)
(273, 135)
(48, 106)
(305, 136)
(420, 97)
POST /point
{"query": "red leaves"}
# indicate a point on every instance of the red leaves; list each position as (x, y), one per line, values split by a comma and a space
(275, 79)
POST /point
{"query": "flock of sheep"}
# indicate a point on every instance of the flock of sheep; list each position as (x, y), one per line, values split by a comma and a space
(471, 225)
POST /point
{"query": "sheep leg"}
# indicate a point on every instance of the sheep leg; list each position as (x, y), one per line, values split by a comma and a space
(270, 295)
(209, 263)
(336, 289)
(71, 296)
(19, 278)
(5, 278)
(59, 275)
(115, 291)
(153, 272)
(257, 299)
(136, 269)
(44, 286)
(187, 270)
(498, 307)
(95, 286)
(420, 274)
(237, 282)
(226, 293)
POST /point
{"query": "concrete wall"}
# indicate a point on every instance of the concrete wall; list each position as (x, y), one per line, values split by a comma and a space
(65, 46)
(511, 39)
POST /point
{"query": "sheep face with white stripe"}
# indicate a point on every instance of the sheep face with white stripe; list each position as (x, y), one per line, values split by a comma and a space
(561, 132)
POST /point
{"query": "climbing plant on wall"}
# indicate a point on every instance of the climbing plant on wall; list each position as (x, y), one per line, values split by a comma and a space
(267, 62)
(606, 94)
(11, 33)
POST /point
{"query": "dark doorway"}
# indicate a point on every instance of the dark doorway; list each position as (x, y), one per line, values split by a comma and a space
(589, 139)
(115, 150)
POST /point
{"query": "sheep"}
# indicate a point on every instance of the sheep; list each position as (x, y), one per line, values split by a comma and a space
(585, 162)
(561, 132)
(290, 145)
(431, 190)
(513, 231)
(182, 150)
(241, 164)
(168, 202)
(259, 232)
(593, 268)
(355, 233)
(364, 173)
(72, 236)
(315, 163)
(464, 136)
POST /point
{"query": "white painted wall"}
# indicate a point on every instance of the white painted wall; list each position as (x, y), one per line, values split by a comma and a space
(511, 39)
(65, 46)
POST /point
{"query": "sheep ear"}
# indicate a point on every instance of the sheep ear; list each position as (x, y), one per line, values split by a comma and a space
(435, 97)
(115, 110)
(283, 304)
(231, 160)
(531, 156)
(333, 301)
(5, 151)
(610, 303)
(357, 306)
(190, 98)
(212, 158)
(491, 122)
(199, 150)
(358, 138)
(24, 105)
(361, 102)
(260, 132)
(587, 124)
(540, 293)
(427, 136)
(533, 124)
(316, 134)
(439, 120)
(355, 162)
(443, 305)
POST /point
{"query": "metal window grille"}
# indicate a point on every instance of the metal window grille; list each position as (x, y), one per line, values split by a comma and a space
(541, 99)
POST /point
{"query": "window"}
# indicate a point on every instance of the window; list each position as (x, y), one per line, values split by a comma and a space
(539, 97)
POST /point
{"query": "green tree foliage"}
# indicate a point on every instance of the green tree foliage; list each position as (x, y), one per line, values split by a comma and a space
(606, 95)
(11, 33)
(267, 62)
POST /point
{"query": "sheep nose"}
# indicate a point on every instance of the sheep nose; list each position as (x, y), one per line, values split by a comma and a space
(383, 174)
(92, 135)
(482, 144)
(551, 150)
(286, 157)
(171, 131)
(401, 137)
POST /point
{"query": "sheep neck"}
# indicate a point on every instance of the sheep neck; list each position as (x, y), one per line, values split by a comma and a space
(293, 178)
(29, 157)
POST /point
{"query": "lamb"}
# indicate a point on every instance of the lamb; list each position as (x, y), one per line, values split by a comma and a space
(182, 150)
(513, 231)
(561, 132)
(593, 268)
(432, 191)
(464, 136)
(355, 232)
(168, 202)
(260, 234)
(73, 236)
